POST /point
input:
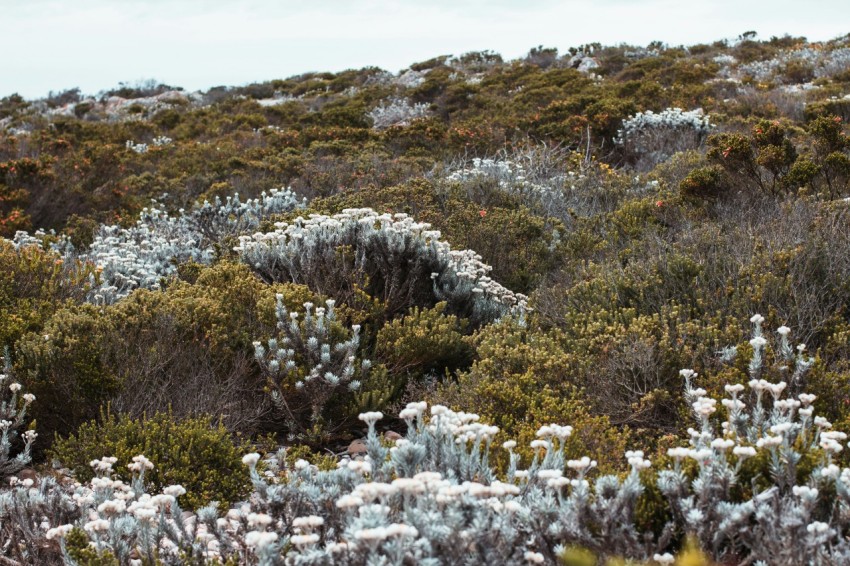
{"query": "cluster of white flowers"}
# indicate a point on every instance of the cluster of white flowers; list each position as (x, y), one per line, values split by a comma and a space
(657, 136)
(542, 192)
(434, 494)
(307, 365)
(305, 250)
(137, 147)
(396, 112)
(822, 62)
(13, 409)
(142, 255)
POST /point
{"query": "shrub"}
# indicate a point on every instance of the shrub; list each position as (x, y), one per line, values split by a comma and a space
(196, 453)
(314, 370)
(399, 261)
(648, 138)
(13, 410)
(704, 183)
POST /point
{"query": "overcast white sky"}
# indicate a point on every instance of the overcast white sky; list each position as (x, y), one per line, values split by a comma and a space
(95, 44)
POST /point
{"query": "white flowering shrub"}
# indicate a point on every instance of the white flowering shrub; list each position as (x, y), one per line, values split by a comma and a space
(435, 498)
(142, 255)
(13, 410)
(395, 259)
(313, 369)
(396, 112)
(820, 63)
(137, 147)
(648, 138)
(544, 192)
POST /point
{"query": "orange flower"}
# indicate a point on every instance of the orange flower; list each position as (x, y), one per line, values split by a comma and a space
(726, 152)
(659, 203)
(482, 213)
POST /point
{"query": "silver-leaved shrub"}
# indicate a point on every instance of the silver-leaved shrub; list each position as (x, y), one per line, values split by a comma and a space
(434, 497)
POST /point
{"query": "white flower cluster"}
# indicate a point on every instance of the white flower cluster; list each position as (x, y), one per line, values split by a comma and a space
(396, 112)
(434, 495)
(822, 62)
(137, 147)
(142, 255)
(656, 137)
(544, 193)
(307, 365)
(13, 409)
(385, 247)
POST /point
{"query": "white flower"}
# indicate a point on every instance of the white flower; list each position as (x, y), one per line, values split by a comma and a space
(15, 387)
(371, 417)
(721, 444)
(28, 398)
(509, 445)
(783, 330)
(304, 540)
(349, 501)
(310, 522)
(260, 539)
(251, 459)
(665, 558)
(533, 557)
(259, 520)
(757, 319)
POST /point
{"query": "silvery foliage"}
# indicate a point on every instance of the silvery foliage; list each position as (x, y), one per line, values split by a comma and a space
(405, 261)
(308, 364)
(396, 112)
(137, 147)
(539, 190)
(824, 63)
(142, 255)
(13, 410)
(783, 522)
(655, 137)
(433, 498)
(539, 176)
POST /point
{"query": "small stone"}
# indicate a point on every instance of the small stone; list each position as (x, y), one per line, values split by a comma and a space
(357, 447)
(392, 435)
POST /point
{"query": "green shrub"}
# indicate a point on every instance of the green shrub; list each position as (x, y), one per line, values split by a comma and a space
(704, 183)
(196, 453)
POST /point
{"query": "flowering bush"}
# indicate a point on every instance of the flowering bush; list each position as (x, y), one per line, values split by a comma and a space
(395, 259)
(750, 490)
(397, 112)
(649, 138)
(142, 255)
(13, 410)
(313, 369)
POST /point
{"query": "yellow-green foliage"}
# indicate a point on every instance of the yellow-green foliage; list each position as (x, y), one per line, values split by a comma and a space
(196, 453)
(425, 340)
(34, 283)
(143, 352)
(520, 382)
(78, 548)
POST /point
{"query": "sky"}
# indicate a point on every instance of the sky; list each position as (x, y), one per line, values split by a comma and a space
(54, 45)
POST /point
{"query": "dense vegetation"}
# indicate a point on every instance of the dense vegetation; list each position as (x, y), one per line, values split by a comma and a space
(194, 276)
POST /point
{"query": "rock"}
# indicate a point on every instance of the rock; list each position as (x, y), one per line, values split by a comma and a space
(357, 447)
(392, 435)
(28, 474)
